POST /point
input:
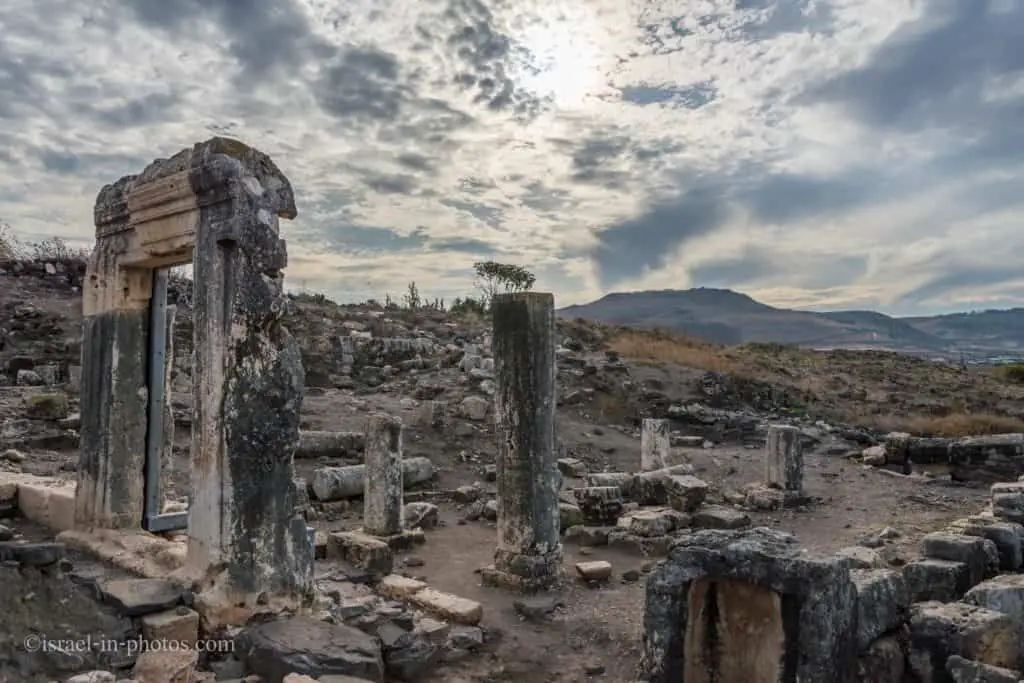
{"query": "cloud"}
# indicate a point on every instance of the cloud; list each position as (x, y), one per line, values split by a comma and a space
(845, 153)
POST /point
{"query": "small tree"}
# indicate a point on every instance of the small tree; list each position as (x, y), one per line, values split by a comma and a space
(412, 297)
(493, 278)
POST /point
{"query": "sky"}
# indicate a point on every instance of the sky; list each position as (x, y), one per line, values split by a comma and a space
(827, 154)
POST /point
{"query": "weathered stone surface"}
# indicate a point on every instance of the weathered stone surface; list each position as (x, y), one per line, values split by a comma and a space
(650, 523)
(935, 580)
(623, 480)
(882, 602)
(1007, 537)
(653, 488)
(1008, 501)
(861, 557)
(361, 551)
(529, 547)
(135, 597)
(408, 654)
(978, 555)
(884, 661)
(784, 459)
(597, 570)
(338, 483)
(382, 498)
(31, 554)
(685, 492)
(1004, 594)
(754, 578)
(319, 444)
(302, 645)
(938, 630)
(448, 606)
(654, 444)
(964, 670)
(600, 505)
(421, 514)
(987, 458)
(720, 517)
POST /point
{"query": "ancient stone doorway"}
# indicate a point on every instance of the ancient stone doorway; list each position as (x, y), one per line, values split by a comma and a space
(734, 633)
(218, 206)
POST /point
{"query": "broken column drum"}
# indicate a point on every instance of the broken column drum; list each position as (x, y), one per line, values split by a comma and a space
(654, 444)
(382, 497)
(784, 465)
(529, 550)
(217, 206)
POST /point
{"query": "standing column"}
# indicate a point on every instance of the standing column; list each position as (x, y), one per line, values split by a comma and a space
(529, 550)
(654, 444)
(382, 488)
(784, 466)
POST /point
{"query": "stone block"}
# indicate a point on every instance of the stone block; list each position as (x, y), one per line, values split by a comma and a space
(623, 480)
(720, 517)
(648, 523)
(685, 492)
(884, 661)
(137, 597)
(180, 625)
(935, 580)
(399, 587)
(652, 488)
(978, 555)
(448, 606)
(1008, 501)
(1004, 594)
(600, 505)
(597, 570)
(274, 649)
(882, 602)
(968, 671)
(361, 551)
(861, 557)
(939, 630)
(1007, 537)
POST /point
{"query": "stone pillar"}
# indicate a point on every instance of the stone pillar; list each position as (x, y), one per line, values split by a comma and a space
(382, 497)
(115, 352)
(784, 465)
(245, 534)
(529, 550)
(654, 444)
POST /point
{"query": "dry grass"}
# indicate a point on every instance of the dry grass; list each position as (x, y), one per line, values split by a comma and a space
(666, 347)
(952, 425)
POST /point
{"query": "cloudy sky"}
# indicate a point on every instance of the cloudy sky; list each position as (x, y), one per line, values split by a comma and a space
(812, 153)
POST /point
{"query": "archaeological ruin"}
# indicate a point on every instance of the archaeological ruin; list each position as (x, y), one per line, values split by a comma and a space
(370, 493)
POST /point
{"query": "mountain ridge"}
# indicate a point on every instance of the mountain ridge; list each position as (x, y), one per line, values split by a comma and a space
(731, 318)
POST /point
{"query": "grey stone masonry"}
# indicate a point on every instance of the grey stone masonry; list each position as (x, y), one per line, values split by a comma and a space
(654, 444)
(529, 549)
(382, 499)
(784, 466)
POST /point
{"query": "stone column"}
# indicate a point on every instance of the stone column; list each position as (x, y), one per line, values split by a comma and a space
(246, 537)
(654, 444)
(784, 465)
(529, 550)
(382, 497)
(115, 352)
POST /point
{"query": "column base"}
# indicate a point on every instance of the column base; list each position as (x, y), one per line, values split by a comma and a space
(524, 573)
(403, 540)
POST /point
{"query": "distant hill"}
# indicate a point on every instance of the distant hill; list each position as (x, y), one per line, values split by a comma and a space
(728, 317)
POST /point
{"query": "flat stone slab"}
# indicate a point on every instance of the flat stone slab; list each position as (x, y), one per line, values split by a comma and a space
(302, 645)
(31, 554)
(448, 606)
(137, 597)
